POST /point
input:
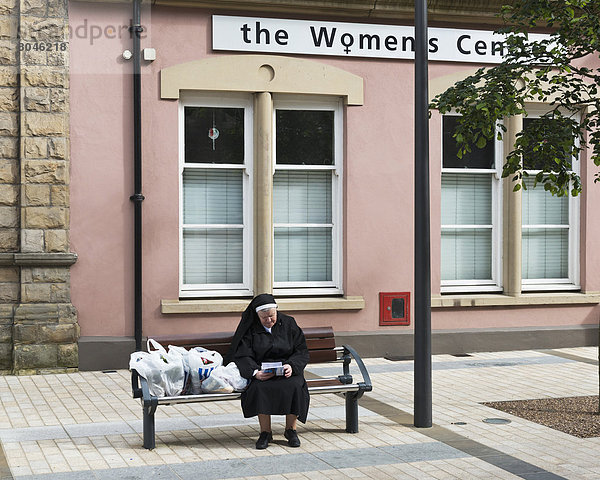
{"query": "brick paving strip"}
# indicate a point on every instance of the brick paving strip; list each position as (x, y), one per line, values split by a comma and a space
(320, 461)
(168, 424)
(553, 358)
(570, 356)
(452, 439)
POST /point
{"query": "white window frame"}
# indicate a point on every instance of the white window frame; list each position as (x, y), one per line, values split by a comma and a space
(495, 283)
(333, 287)
(572, 282)
(223, 101)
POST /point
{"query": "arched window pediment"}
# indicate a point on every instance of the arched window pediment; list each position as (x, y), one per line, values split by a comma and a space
(261, 73)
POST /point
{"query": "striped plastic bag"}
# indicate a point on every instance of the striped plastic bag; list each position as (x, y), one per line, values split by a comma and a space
(202, 362)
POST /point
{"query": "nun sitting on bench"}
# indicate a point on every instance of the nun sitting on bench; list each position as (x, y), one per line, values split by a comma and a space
(266, 335)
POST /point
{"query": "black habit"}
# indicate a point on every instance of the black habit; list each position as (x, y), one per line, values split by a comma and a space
(278, 395)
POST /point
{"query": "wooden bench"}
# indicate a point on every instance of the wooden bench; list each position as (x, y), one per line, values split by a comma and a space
(321, 346)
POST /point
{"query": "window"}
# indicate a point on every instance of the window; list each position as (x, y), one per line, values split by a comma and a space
(550, 233)
(307, 197)
(471, 200)
(215, 235)
(217, 243)
(260, 175)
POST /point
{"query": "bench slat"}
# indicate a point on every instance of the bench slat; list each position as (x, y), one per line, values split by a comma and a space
(323, 382)
(316, 332)
(226, 337)
(187, 341)
(316, 356)
(315, 387)
(312, 344)
(320, 356)
(320, 343)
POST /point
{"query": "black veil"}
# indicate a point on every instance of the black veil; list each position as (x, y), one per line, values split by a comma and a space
(248, 318)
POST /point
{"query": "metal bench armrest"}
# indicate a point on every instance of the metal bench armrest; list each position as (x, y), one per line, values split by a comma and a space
(135, 384)
(365, 385)
(140, 389)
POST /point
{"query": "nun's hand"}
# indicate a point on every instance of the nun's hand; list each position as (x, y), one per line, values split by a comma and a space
(260, 375)
(287, 370)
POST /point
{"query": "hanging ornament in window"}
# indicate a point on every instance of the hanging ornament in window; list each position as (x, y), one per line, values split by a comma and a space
(213, 133)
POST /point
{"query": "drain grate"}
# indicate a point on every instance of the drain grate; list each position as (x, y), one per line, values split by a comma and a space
(497, 421)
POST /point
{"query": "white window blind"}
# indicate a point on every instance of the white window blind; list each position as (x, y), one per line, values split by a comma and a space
(466, 226)
(545, 234)
(302, 206)
(212, 226)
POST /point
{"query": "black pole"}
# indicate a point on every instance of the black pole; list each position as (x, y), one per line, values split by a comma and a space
(137, 198)
(422, 264)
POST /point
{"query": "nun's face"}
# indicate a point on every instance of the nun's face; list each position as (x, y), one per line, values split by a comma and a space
(268, 317)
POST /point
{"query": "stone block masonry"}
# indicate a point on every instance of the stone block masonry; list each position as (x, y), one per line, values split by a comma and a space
(9, 179)
(38, 323)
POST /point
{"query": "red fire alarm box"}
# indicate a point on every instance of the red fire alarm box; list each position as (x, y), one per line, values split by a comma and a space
(394, 308)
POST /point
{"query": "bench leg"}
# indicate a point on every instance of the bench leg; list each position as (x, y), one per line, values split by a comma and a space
(149, 429)
(351, 412)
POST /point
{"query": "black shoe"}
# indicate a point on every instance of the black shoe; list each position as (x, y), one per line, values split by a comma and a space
(263, 440)
(292, 437)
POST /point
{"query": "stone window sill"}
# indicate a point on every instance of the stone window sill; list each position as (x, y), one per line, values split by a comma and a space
(236, 305)
(526, 299)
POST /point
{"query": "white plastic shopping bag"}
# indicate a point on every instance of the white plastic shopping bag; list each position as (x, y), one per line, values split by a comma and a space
(184, 353)
(173, 372)
(232, 376)
(149, 367)
(164, 371)
(202, 363)
(214, 383)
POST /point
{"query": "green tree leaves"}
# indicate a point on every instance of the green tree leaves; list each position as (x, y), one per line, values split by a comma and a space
(556, 71)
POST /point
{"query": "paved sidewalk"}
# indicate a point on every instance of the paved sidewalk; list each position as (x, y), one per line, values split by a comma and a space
(87, 426)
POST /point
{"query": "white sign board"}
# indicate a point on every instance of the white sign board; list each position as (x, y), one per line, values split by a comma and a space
(304, 37)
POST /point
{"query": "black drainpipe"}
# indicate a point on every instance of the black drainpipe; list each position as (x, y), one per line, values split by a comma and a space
(137, 198)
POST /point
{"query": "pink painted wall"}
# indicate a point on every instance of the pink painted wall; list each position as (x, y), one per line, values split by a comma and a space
(378, 174)
(590, 273)
(101, 173)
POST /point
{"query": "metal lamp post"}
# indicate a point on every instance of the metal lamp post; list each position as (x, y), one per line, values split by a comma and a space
(422, 262)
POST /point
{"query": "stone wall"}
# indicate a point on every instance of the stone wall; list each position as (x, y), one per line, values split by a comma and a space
(9, 178)
(38, 323)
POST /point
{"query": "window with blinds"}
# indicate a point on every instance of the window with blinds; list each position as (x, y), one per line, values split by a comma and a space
(306, 198)
(549, 233)
(469, 216)
(214, 223)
